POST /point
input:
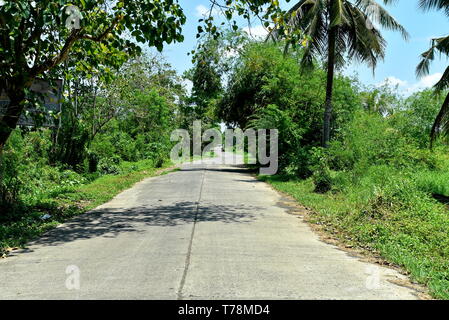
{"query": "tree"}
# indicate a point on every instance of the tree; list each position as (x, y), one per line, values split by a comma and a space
(36, 38)
(206, 79)
(266, 91)
(139, 98)
(416, 116)
(441, 124)
(338, 30)
(213, 60)
(383, 99)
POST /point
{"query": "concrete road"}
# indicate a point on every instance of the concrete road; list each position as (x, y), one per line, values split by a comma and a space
(209, 231)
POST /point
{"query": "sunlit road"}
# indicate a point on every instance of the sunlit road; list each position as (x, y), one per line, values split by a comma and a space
(208, 231)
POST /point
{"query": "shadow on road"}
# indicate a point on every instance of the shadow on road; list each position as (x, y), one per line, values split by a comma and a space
(235, 169)
(112, 222)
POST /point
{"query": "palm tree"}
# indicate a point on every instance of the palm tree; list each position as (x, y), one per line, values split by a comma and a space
(441, 124)
(339, 30)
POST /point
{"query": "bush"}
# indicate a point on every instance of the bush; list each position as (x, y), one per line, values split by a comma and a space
(289, 140)
(109, 165)
(321, 173)
(92, 161)
(417, 116)
(370, 139)
(158, 152)
(10, 181)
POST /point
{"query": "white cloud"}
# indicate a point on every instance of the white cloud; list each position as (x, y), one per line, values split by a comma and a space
(407, 88)
(394, 82)
(431, 80)
(202, 11)
(256, 32)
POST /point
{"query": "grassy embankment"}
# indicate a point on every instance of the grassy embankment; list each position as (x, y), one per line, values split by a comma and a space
(391, 214)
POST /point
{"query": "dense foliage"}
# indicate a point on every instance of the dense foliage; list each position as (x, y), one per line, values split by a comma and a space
(267, 90)
(35, 41)
(103, 124)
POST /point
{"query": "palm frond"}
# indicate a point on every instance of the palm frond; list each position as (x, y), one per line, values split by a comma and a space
(366, 44)
(380, 15)
(442, 44)
(423, 67)
(443, 84)
(338, 13)
(435, 4)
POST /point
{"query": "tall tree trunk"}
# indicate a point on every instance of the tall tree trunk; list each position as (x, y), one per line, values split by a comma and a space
(329, 87)
(15, 108)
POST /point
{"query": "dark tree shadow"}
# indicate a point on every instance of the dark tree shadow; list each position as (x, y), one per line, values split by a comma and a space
(112, 222)
(441, 198)
(231, 169)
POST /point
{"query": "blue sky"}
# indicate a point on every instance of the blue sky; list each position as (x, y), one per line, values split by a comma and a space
(401, 56)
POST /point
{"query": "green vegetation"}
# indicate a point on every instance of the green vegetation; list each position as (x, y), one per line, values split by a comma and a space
(113, 132)
(37, 37)
(390, 217)
(439, 45)
(377, 186)
(35, 41)
(374, 169)
(266, 91)
(339, 31)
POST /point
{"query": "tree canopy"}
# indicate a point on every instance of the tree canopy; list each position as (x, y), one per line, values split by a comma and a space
(37, 36)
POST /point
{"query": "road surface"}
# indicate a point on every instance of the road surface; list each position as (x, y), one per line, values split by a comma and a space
(208, 231)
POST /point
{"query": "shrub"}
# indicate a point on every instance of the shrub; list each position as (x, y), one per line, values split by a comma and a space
(10, 182)
(321, 173)
(370, 139)
(109, 165)
(92, 161)
(289, 140)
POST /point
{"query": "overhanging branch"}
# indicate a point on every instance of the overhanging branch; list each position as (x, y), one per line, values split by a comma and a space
(103, 35)
(75, 35)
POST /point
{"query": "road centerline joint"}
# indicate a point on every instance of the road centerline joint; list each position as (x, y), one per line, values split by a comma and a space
(189, 250)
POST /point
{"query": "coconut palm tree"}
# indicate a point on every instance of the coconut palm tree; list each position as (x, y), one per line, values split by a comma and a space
(339, 31)
(441, 45)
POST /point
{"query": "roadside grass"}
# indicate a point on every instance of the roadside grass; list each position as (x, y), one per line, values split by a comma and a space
(434, 183)
(393, 216)
(64, 202)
